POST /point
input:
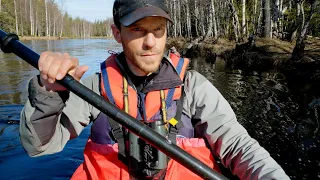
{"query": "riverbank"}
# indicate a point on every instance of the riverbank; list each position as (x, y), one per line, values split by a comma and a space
(274, 49)
(26, 38)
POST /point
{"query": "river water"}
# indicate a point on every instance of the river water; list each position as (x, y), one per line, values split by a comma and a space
(263, 105)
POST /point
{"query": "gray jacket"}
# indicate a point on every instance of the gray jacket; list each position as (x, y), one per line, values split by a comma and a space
(50, 119)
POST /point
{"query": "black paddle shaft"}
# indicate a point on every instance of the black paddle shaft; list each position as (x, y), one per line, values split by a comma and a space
(10, 44)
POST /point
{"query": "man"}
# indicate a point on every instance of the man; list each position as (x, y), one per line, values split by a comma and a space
(147, 84)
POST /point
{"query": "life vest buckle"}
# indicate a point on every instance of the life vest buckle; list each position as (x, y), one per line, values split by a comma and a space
(117, 133)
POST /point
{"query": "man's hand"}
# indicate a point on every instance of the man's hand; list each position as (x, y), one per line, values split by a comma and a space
(54, 66)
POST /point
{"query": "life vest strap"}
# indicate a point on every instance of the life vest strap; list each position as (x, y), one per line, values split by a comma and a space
(107, 82)
(171, 91)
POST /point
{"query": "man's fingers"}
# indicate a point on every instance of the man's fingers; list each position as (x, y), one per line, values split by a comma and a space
(80, 72)
(66, 66)
(53, 70)
(42, 59)
(46, 66)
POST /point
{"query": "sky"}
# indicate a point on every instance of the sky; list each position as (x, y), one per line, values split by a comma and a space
(90, 10)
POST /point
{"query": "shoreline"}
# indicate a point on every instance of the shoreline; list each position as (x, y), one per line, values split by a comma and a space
(27, 38)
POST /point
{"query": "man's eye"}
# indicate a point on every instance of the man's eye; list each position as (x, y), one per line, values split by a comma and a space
(159, 29)
(136, 29)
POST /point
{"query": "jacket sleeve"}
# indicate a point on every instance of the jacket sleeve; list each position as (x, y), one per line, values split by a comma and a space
(228, 139)
(49, 119)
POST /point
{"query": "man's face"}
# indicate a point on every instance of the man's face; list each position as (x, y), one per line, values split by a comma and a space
(143, 44)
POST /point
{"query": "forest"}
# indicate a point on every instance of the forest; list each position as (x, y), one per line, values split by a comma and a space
(229, 19)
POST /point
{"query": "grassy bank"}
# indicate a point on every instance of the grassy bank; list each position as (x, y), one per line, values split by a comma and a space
(273, 49)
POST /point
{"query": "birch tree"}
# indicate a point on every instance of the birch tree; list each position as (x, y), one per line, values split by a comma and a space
(212, 26)
(47, 24)
(298, 51)
(22, 13)
(266, 19)
(214, 19)
(188, 16)
(31, 19)
(235, 20)
(243, 2)
(16, 16)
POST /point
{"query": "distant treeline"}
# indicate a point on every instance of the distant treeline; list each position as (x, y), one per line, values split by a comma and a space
(46, 18)
(232, 19)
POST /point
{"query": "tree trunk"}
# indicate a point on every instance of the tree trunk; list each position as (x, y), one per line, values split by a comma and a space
(276, 16)
(235, 20)
(298, 51)
(179, 19)
(188, 19)
(16, 16)
(302, 15)
(196, 11)
(54, 26)
(214, 20)
(49, 19)
(209, 32)
(24, 19)
(61, 27)
(174, 18)
(282, 11)
(31, 19)
(202, 19)
(306, 24)
(47, 23)
(266, 33)
(298, 22)
(0, 6)
(255, 22)
(243, 18)
(21, 18)
(62, 18)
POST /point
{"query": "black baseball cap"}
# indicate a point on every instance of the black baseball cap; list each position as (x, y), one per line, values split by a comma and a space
(128, 12)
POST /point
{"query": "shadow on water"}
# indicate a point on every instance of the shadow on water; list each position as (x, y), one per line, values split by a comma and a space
(265, 107)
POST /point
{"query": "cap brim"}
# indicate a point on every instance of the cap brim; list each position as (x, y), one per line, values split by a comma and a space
(141, 13)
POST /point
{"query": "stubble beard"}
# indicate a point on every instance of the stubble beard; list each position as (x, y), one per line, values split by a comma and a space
(145, 66)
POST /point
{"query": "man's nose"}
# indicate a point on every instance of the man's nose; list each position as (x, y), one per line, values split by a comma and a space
(150, 41)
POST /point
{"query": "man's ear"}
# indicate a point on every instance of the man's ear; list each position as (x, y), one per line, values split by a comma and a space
(116, 33)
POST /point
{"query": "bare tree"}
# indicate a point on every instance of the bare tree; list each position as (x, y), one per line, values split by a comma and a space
(299, 23)
(21, 17)
(47, 23)
(196, 15)
(212, 22)
(62, 18)
(298, 51)
(214, 19)
(31, 19)
(187, 7)
(266, 19)
(16, 16)
(235, 20)
(243, 3)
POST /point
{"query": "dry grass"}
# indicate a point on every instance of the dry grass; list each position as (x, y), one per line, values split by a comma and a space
(23, 38)
(312, 48)
(275, 45)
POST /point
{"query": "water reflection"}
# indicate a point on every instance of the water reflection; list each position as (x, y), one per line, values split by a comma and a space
(15, 73)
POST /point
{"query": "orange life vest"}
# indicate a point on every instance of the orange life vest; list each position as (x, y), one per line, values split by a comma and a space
(101, 160)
